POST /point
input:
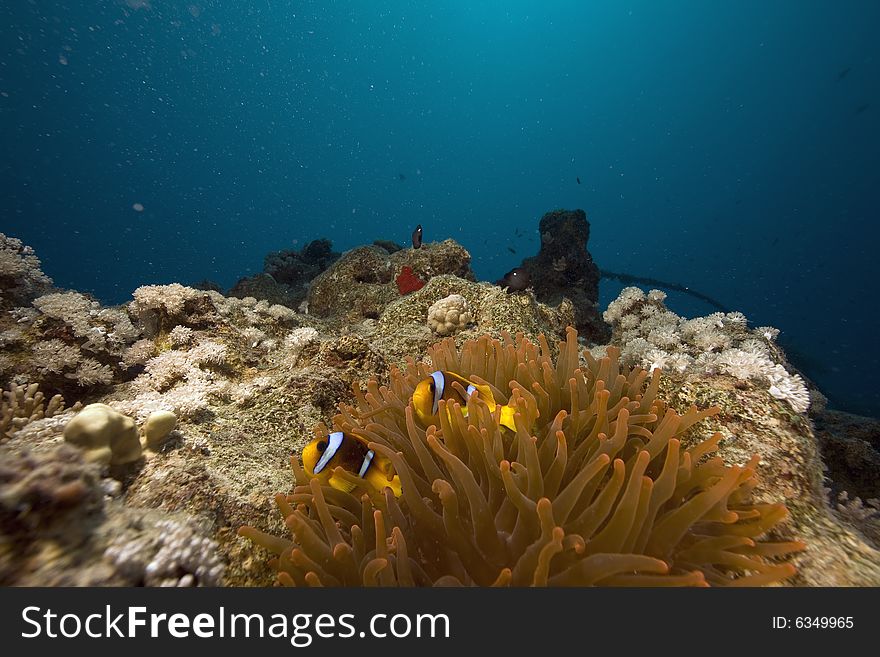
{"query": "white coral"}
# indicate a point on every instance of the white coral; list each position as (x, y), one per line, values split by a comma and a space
(174, 554)
(170, 298)
(657, 359)
(281, 313)
(711, 340)
(449, 314)
(296, 341)
(663, 337)
(54, 356)
(181, 336)
(767, 332)
(138, 353)
(253, 336)
(744, 364)
(90, 372)
(634, 352)
(628, 297)
(207, 352)
(789, 387)
(20, 275)
(74, 309)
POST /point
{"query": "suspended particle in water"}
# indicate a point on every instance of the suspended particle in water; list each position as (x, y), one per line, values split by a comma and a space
(138, 207)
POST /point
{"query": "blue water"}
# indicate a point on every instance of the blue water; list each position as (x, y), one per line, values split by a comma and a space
(732, 147)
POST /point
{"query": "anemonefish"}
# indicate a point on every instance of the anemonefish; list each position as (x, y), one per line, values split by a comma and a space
(352, 453)
(439, 385)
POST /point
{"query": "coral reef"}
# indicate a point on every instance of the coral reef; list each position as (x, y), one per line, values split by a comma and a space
(563, 268)
(248, 381)
(61, 524)
(286, 274)
(66, 342)
(594, 488)
(362, 282)
(159, 308)
(21, 279)
(401, 329)
(652, 336)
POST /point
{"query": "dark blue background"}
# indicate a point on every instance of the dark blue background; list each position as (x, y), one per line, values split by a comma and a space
(728, 146)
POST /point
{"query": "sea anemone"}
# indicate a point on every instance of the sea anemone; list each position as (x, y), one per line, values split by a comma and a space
(600, 484)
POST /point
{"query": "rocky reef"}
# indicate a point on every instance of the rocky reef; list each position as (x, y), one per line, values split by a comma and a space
(249, 382)
(564, 269)
(286, 274)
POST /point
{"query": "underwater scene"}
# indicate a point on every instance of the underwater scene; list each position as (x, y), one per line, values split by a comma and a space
(409, 293)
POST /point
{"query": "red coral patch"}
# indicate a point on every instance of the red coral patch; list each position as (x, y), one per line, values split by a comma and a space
(407, 281)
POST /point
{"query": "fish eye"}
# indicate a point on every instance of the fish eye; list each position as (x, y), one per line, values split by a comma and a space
(322, 445)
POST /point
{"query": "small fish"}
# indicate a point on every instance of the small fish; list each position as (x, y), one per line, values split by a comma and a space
(417, 237)
(511, 249)
(352, 453)
(439, 385)
(516, 280)
(578, 178)
(861, 108)
(401, 177)
(843, 73)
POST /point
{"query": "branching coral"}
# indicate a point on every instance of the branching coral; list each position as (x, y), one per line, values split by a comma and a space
(21, 405)
(601, 484)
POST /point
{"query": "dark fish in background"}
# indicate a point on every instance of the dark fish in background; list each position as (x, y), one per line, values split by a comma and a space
(417, 237)
(511, 249)
(843, 73)
(578, 178)
(861, 108)
(401, 177)
(516, 280)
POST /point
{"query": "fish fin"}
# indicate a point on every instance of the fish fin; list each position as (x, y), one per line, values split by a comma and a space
(394, 485)
(483, 389)
(506, 419)
(339, 483)
(486, 395)
(383, 464)
(379, 481)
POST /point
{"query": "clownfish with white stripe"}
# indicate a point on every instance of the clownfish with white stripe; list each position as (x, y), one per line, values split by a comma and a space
(352, 453)
(439, 385)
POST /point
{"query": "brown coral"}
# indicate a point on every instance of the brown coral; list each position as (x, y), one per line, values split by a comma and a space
(594, 487)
